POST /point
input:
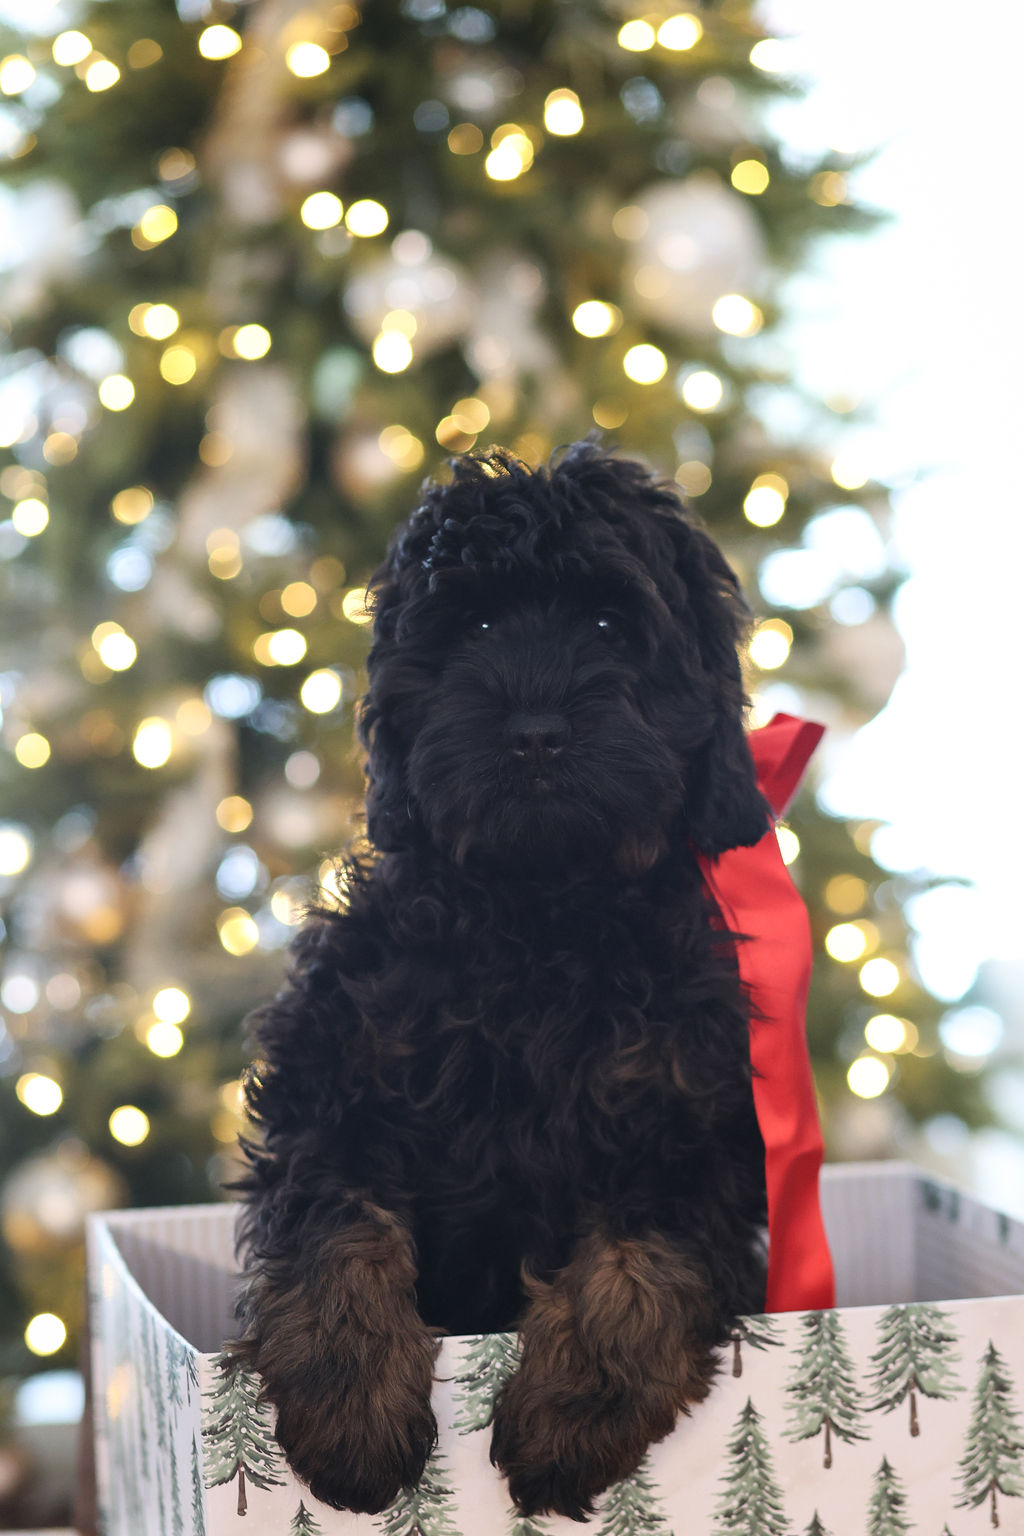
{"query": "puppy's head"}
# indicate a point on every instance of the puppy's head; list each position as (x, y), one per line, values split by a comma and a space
(554, 671)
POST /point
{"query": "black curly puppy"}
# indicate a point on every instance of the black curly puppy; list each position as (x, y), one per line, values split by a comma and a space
(509, 1085)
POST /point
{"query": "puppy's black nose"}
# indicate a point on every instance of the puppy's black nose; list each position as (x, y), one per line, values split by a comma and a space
(536, 738)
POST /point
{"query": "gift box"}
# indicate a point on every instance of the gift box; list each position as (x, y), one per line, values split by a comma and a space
(901, 1410)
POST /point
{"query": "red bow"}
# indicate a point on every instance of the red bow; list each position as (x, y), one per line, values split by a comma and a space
(756, 897)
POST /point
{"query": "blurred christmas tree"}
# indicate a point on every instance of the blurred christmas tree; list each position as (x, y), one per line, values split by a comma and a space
(266, 266)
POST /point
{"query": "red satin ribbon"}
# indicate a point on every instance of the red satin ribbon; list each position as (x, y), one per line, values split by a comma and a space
(755, 895)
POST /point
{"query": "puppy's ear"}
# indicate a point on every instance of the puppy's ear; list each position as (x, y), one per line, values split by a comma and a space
(725, 808)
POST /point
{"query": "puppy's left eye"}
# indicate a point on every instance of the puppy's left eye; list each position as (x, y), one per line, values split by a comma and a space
(609, 626)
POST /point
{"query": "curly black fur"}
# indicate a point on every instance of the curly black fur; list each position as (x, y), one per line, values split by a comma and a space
(509, 1084)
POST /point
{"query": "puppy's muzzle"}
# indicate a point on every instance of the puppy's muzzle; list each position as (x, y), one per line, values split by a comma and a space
(536, 739)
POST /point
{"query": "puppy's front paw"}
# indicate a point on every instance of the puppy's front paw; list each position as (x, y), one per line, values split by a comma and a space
(357, 1449)
(561, 1443)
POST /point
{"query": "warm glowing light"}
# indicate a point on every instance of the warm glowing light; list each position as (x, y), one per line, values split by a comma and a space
(637, 36)
(251, 342)
(32, 750)
(680, 32)
(218, 42)
(118, 652)
(401, 447)
(846, 893)
(702, 391)
(886, 1033)
(234, 813)
(868, 1077)
(102, 75)
(157, 224)
(132, 505)
(736, 316)
(845, 942)
(366, 218)
(765, 502)
(849, 472)
(298, 599)
(511, 156)
(129, 1125)
(353, 606)
(828, 188)
(645, 364)
(144, 53)
(563, 115)
(16, 74)
(15, 851)
(39, 1093)
(171, 1005)
(750, 176)
(595, 318)
(789, 844)
(770, 55)
(280, 648)
(286, 908)
(159, 321)
(401, 320)
(610, 414)
(307, 60)
(321, 692)
(237, 931)
(465, 139)
(194, 716)
(770, 645)
(30, 516)
(71, 48)
(471, 414)
(152, 744)
(116, 392)
(321, 210)
(164, 1039)
(45, 1334)
(392, 352)
(879, 977)
(178, 364)
(694, 477)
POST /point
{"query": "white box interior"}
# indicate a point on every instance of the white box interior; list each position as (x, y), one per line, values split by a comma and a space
(896, 1235)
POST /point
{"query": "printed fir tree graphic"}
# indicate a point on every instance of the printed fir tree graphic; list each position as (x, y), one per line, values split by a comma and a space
(992, 1463)
(425, 1510)
(303, 1523)
(198, 1500)
(885, 1511)
(761, 1332)
(490, 1361)
(175, 1372)
(751, 1504)
(631, 1507)
(823, 1386)
(817, 1527)
(916, 1354)
(238, 1440)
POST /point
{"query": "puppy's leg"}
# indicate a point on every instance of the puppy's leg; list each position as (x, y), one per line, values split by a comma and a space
(347, 1361)
(619, 1343)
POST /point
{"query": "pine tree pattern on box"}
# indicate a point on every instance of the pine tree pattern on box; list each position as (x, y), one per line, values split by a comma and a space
(729, 1469)
(888, 1499)
(427, 1509)
(751, 1503)
(238, 1440)
(632, 1507)
(759, 1332)
(823, 1386)
(916, 1353)
(992, 1460)
(489, 1362)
